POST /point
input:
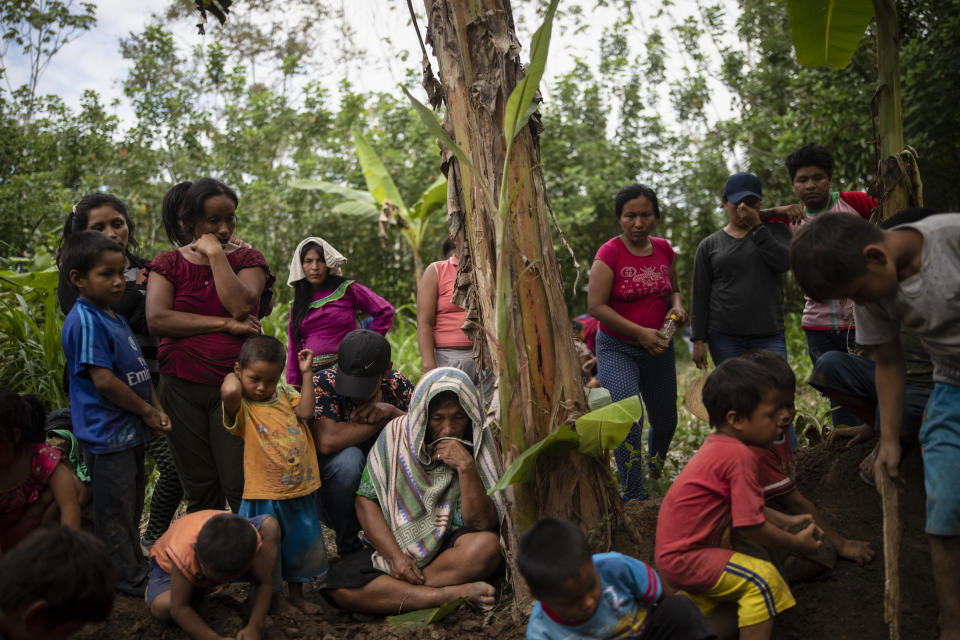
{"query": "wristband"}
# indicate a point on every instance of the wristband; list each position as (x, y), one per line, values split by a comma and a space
(756, 227)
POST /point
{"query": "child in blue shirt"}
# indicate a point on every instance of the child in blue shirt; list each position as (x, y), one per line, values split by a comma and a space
(112, 401)
(608, 595)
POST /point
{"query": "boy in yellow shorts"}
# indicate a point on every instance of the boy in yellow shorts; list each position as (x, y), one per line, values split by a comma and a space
(718, 491)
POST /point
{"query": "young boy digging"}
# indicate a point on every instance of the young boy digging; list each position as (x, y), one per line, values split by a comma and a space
(775, 463)
(719, 490)
(207, 548)
(279, 459)
(907, 276)
(608, 595)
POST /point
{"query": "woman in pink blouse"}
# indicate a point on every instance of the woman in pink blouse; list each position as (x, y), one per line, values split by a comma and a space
(325, 306)
(202, 300)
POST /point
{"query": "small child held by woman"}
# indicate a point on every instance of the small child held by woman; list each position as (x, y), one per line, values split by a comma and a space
(279, 460)
(34, 486)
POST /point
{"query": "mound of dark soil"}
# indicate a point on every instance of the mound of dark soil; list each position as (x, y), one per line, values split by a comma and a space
(848, 605)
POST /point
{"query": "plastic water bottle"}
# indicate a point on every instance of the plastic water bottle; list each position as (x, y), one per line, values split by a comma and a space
(669, 325)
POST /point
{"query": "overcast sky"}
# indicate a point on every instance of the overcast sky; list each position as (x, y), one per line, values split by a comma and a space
(381, 27)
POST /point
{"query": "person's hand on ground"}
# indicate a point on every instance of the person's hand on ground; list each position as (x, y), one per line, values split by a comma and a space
(860, 433)
(858, 551)
(453, 454)
(699, 355)
(809, 539)
(402, 567)
(248, 633)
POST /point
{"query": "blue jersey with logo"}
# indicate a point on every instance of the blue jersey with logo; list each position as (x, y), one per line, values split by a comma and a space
(629, 587)
(93, 337)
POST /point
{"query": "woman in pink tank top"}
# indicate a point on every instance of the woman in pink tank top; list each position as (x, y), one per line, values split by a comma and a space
(440, 337)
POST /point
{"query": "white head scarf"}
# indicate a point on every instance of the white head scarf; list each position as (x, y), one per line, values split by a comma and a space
(331, 257)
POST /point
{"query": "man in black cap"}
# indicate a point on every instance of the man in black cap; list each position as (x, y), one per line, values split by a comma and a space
(354, 402)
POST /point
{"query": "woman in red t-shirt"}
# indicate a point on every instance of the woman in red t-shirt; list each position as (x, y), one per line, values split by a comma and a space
(202, 299)
(633, 289)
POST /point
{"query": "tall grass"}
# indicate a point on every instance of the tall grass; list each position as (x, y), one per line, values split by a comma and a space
(31, 358)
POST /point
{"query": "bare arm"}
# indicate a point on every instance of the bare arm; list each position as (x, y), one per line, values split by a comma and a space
(231, 393)
(402, 566)
(308, 397)
(65, 493)
(890, 375)
(239, 293)
(427, 295)
(770, 535)
(116, 391)
(477, 507)
(163, 320)
(331, 436)
(262, 572)
(182, 613)
(856, 550)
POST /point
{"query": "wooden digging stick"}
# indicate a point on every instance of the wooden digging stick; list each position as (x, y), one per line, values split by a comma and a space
(891, 552)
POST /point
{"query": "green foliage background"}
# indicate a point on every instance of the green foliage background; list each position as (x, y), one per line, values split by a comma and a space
(243, 105)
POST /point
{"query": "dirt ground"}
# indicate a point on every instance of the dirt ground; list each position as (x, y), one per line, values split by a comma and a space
(845, 606)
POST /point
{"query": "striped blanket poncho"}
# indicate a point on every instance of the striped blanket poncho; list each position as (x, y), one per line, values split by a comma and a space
(416, 494)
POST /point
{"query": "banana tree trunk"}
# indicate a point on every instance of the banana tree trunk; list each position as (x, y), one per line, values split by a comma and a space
(535, 361)
(898, 176)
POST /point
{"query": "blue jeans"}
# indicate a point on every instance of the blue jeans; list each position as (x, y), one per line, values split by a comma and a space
(855, 376)
(822, 342)
(724, 346)
(627, 370)
(340, 476)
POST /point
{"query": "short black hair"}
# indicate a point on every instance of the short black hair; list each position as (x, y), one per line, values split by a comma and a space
(171, 210)
(633, 191)
(24, 412)
(262, 347)
(810, 155)
(828, 251)
(448, 247)
(192, 200)
(81, 251)
(736, 385)
(778, 368)
(551, 552)
(227, 544)
(70, 570)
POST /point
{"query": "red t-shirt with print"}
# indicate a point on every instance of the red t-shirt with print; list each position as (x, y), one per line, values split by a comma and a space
(641, 284)
(718, 489)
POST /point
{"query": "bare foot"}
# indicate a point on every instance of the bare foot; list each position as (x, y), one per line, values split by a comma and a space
(282, 606)
(479, 593)
(305, 606)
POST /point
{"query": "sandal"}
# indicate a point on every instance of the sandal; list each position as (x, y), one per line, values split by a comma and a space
(866, 468)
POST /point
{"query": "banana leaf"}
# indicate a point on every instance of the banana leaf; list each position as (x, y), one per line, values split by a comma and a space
(604, 429)
(423, 617)
(561, 440)
(334, 188)
(828, 32)
(379, 182)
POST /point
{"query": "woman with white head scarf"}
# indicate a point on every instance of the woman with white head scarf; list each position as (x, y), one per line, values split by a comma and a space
(326, 305)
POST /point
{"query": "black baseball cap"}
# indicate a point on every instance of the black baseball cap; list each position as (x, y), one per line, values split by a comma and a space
(363, 357)
(740, 186)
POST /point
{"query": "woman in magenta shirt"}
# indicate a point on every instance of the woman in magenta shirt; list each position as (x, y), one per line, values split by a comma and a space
(202, 300)
(632, 290)
(325, 306)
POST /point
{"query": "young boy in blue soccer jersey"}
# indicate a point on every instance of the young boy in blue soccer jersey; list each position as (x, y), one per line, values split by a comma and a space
(112, 400)
(608, 595)
(907, 277)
